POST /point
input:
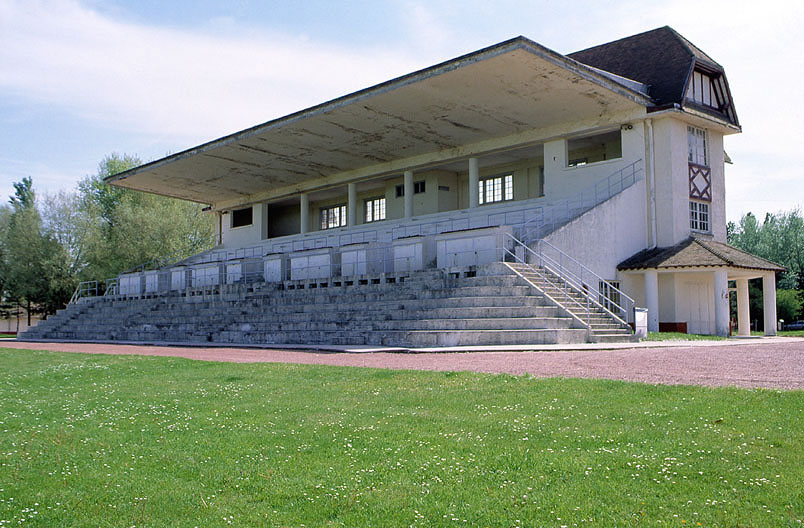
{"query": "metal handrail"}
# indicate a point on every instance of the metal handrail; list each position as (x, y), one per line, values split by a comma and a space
(83, 290)
(546, 278)
(577, 283)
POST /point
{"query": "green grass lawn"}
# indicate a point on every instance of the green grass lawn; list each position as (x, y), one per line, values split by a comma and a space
(6, 335)
(90, 440)
(679, 336)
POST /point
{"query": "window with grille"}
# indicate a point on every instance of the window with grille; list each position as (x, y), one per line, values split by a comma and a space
(332, 217)
(496, 189)
(375, 209)
(699, 216)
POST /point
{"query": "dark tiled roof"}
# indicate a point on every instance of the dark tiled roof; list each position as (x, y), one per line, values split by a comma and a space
(661, 58)
(697, 252)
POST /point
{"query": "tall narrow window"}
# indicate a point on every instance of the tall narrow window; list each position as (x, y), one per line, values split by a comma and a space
(696, 143)
(332, 217)
(375, 209)
(496, 189)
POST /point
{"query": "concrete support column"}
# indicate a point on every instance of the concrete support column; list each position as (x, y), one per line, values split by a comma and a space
(652, 299)
(474, 178)
(408, 194)
(351, 206)
(743, 314)
(721, 303)
(769, 302)
(304, 201)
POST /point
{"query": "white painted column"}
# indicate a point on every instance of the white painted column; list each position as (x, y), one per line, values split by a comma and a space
(743, 313)
(721, 302)
(304, 201)
(474, 178)
(769, 302)
(652, 299)
(351, 206)
(408, 194)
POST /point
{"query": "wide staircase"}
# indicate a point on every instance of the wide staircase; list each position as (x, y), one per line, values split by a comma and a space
(433, 308)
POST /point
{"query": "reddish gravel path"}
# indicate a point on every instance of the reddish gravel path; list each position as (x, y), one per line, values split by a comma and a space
(769, 363)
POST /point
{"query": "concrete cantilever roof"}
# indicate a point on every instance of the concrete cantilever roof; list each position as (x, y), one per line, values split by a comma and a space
(436, 113)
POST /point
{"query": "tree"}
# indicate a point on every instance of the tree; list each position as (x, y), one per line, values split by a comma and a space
(125, 229)
(789, 304)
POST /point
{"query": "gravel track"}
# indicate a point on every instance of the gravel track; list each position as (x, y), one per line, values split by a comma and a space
(769, 363)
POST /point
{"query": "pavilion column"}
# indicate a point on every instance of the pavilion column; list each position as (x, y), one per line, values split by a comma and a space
(652, 299)
(474, 178)
(769, 302)
(743, 313)
(304, 200)
(408, 194)
(721, 303)
(351, 206)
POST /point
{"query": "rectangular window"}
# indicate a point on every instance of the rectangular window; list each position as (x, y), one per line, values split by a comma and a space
(699, 216)
(592, 149)
(375, 209)
(696, 143)
(242, 217)
(610, 295)
(332, 217)
(496, 189)
(418, 188)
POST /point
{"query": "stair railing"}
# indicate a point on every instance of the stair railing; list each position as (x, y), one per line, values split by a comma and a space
(578, 277)
(83, 290)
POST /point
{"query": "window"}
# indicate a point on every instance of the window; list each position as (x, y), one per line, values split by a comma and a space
(332, 217)
(703, 89)
(699, 216)
(696, 143)
(610, 295)
(242, 217)
(592, 149)
(418, 188)
(496, 189)
(375, 209)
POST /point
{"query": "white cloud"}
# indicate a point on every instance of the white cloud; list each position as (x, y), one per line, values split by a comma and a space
(173, 82)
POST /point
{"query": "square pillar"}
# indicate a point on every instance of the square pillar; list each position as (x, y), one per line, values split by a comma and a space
(351, 205)
(652, 299)
(743, 313)
(769, 302)
(408, 194)
(304, 202)
(721, 303)
(474, 179)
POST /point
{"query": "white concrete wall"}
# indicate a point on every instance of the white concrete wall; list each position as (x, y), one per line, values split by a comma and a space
(716, 163)
(250, 234)
(695, 301)
(608, 234)
(561, 181)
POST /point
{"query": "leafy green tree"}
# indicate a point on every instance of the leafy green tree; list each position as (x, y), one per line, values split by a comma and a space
(125, 229)
(789, 304)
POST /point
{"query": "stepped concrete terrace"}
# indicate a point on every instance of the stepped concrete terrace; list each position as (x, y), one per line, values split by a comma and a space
(489, 305)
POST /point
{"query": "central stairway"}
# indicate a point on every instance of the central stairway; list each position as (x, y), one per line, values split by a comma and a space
(489, 306)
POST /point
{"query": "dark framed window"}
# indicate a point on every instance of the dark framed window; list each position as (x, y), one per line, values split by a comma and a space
(375, 209)
(332, 217)
(418, 188)
(242, 217)
(496, 189)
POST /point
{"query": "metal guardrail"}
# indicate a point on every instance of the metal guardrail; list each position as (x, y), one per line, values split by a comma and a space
(580, 279)
(84, 290)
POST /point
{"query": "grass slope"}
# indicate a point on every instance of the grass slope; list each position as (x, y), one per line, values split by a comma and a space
(144, 441)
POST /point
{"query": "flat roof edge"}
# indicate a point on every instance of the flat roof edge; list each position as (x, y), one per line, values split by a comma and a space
(624, 87)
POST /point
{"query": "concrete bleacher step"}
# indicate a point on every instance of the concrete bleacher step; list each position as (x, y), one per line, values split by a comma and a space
(427, 310)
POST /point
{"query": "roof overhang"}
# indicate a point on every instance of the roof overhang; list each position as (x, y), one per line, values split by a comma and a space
(500, 91)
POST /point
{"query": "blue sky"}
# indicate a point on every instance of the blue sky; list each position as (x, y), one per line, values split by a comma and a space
(82, 79)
